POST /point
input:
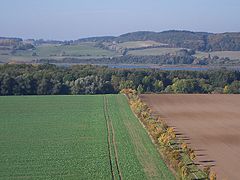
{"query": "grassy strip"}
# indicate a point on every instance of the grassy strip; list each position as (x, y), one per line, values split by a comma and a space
(153, 165)
(176, 153)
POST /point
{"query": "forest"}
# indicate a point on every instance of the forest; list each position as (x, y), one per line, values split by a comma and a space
(202, 41)
(47, 79)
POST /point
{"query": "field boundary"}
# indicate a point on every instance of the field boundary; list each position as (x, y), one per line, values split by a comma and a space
(139, 145)
(152, 139)
(176, 154)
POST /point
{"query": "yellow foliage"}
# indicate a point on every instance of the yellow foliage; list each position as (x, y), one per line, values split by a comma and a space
(171, 133)
(226, 90)
(180, 165)
(128, 91)
(175, 154)
(151, 127)
(184, 171)
(145, 115)
(170, 130)
(213, 176)
(192, 156)
(165, 135)
(164, 139)
(184, 146)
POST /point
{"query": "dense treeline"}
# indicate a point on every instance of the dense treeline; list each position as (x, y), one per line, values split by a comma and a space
(87, 79)
(201, 41)
(128, 59)
(166, 59)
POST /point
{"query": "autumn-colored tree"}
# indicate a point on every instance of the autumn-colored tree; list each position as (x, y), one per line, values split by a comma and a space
(171, 133)
(207, 170)
(184, 147)
(191, 154)
(184, 171)
(162, 135)
(212, 176)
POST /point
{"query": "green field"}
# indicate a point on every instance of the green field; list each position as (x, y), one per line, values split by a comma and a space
(75, 137)
(82, 50)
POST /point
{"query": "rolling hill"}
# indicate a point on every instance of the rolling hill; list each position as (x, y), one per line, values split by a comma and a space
(142, 47)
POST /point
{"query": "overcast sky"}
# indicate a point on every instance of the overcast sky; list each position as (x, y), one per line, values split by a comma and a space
(73, 19)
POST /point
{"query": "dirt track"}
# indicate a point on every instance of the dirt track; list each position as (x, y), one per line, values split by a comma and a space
(210, 123)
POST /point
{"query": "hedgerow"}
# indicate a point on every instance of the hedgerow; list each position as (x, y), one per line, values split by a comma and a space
(176, 153)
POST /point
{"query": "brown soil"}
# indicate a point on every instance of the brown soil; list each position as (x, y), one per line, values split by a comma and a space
(210, 123)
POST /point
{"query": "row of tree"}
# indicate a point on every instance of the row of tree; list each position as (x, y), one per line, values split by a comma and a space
(174, 59)
(87, 79)
(176, 153)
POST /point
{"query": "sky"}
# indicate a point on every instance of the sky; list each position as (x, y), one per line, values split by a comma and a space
(74, 19)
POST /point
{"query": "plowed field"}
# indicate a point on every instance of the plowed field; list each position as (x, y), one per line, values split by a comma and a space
(210, 123)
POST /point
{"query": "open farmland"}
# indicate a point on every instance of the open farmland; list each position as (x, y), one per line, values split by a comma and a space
(233, 55)
(75, 137)
(153, 51)
(83, 49)
(139, 44)
(50, 51)
(210, 123)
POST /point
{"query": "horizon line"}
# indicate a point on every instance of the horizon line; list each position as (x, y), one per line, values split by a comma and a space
(117, 35)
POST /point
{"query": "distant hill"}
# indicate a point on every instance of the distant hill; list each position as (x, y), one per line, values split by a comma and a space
(142, 47)
(96, 39)
(224, 42)
(201, 41)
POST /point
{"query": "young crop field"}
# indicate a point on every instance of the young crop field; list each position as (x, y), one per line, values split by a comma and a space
(209, 123)
(75, 137)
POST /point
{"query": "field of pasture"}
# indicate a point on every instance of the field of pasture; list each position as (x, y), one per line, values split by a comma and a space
(75, 137)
